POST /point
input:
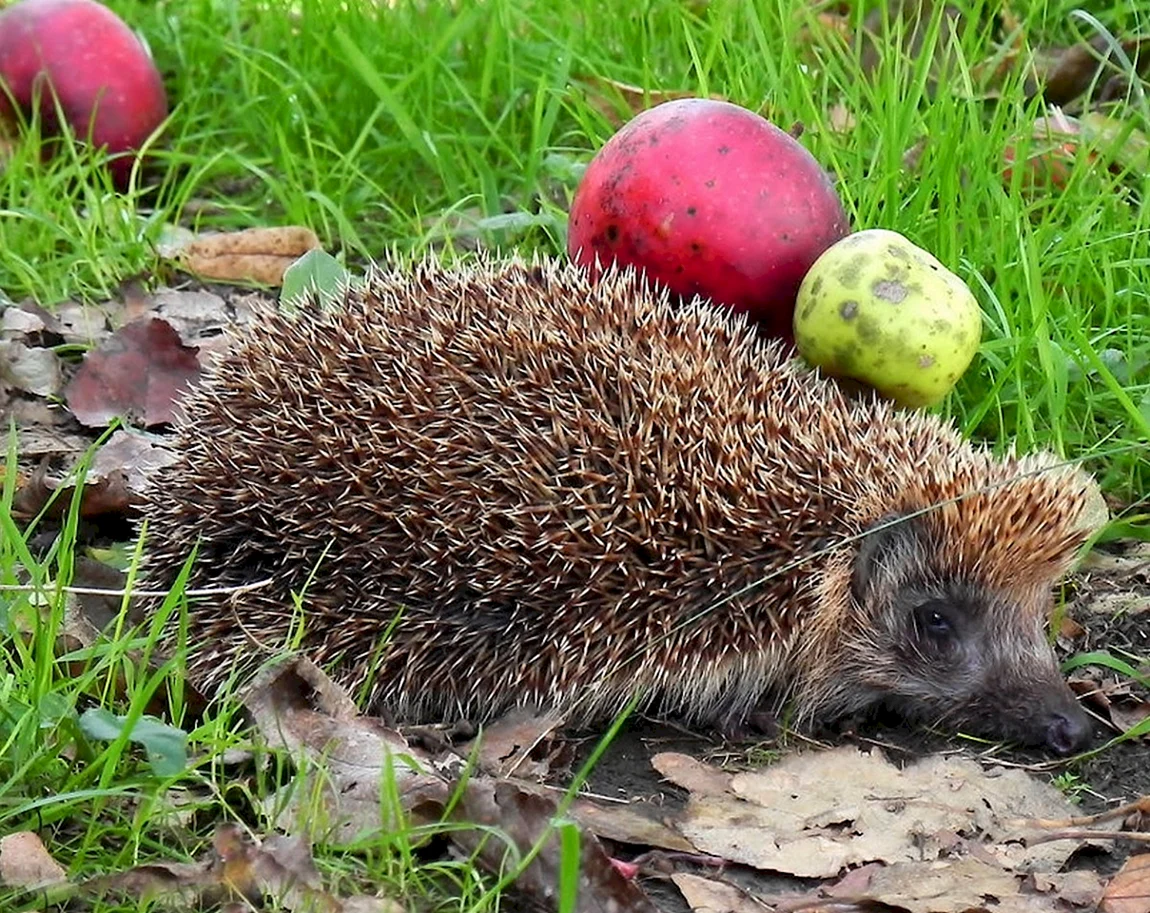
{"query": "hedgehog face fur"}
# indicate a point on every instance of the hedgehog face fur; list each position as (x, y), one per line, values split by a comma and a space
(950, 650)
(569, 491)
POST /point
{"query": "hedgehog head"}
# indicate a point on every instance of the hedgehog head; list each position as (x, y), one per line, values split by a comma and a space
(944, 605)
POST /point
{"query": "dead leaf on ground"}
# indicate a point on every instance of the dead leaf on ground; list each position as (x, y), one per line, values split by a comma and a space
(259, 255)
(517, 744)
(525, 816)
(1129, 889)
(297, 708)
(85, 324)
(26, 863)
(30, 369)
(633, 823)
(1061, 75)
(707, 895)
(825, 811)
(240, 868)
(300, 710)
(903, 27)
(840, 119)
(138, 373)
(958, 885)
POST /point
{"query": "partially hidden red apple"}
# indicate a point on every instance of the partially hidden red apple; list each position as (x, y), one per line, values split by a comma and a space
(710, 199)
(108, 87)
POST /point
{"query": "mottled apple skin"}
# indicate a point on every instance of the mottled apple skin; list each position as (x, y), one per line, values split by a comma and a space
(708, 199)
(94, 62)
(878, 309)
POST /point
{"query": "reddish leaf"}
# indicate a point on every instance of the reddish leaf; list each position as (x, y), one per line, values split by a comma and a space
(138, 373)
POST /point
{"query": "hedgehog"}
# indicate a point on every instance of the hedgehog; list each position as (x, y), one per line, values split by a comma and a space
(465, 489)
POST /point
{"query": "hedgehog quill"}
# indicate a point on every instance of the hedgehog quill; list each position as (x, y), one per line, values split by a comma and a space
(572, 490)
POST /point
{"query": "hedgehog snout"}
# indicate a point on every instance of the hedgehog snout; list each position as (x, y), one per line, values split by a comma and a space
(1068, 731)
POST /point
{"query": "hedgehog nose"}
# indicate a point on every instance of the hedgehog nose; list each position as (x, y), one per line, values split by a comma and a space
(1068, 732)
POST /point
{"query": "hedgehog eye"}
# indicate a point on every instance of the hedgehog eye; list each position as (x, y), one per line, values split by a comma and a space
(932, 621)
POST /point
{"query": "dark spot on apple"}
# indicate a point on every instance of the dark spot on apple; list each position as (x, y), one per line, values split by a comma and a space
(868, 331)
(691, 210)
(816, 287)
(612, 233)
(724, 150)
(696, 247)
(709, 183)
(890, 290)
(848, 310)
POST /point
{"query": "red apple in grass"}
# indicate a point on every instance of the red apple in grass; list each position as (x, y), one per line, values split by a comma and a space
(107, 86)
(708, 198)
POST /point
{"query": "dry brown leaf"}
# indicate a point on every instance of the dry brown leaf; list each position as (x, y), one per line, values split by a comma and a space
(708, 895)
(628, 823)
(691, 774)
(299, 709)
(240, 869)
(508, 747)
(955, 886)
(1063, 74)
(1129, 889)
(840, 119)
(31, 369)
(259, 255)
(524, 815)
(134, 456)
(137, 373)
(825, 811)
(85, 324)
(26, 863)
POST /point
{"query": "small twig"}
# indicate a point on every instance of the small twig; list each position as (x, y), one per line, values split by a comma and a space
(1140, 806)
(1088, 834)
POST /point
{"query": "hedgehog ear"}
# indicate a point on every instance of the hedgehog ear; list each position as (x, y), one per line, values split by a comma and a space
(892, 543)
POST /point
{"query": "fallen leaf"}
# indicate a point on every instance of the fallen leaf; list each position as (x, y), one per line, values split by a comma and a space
(84, 324)
(840, 119)
(298, 708)
(827, 810)
(954, 886)
(707, 895)
(1129, 889)
(26, 863)
(30, 369)
(259, 255)
(631, 823)
(691, 774)
(1081, 888)
(507, 746)
(1060, 75)
(527, 818)
(138, 373)
(52, 495)
(134, 456)
(240, 868)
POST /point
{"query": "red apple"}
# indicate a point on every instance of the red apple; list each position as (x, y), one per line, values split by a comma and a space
(708, 198)
(108, 88)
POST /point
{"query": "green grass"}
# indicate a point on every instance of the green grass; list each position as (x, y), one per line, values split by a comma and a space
(374, 123)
